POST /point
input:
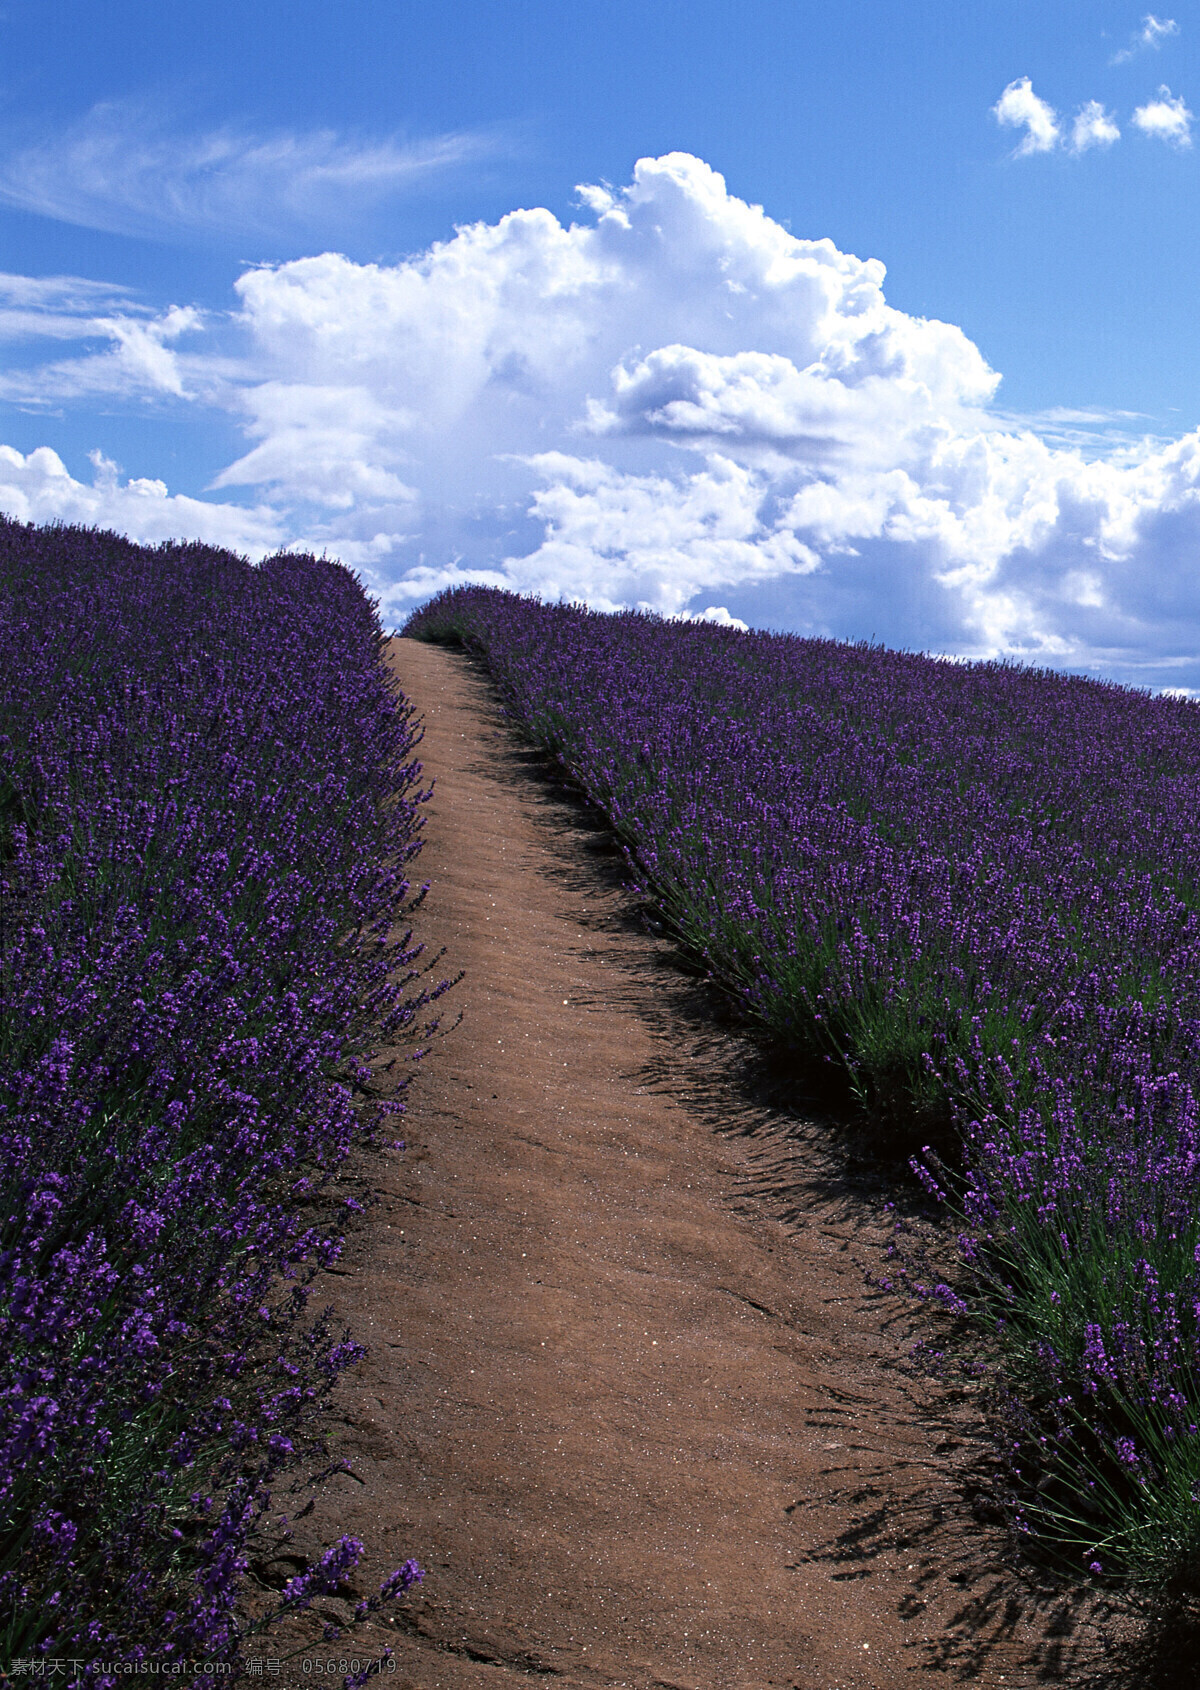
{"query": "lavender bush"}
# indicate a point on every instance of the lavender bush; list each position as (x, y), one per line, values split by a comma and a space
(976, 888)
(209, 807)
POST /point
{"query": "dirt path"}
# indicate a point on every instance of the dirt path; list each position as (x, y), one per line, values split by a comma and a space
(630, 1399)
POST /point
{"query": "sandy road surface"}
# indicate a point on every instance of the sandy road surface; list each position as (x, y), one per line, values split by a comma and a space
(630, 1398)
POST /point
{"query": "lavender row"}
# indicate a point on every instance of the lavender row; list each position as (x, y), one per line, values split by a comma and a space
(977, 888)
(209, 808)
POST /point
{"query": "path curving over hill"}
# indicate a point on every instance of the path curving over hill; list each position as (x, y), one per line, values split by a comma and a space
(630, 1397)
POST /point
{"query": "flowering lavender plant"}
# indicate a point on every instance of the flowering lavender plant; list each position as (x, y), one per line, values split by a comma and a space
(209, 808)
(976, 888)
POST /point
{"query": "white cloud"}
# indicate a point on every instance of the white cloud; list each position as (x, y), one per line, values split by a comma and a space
(613, 538)
(1020, 108)
(717, 614)
(1166, 118)
(1155, 30)
(59, 307)
(673, 402)
(38, 488)
(125, 169)
(1097, 432)
(1153, 33)
(502, 334)
(1093, 127)
(332, 446)
(139, 360)
(59, 295)
(877, 395)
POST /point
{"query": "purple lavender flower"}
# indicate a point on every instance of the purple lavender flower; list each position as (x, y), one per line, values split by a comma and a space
(204, 892)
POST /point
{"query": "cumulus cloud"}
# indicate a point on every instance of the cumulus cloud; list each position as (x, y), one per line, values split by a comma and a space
(1152, 34)
(1020, 108)
(614, 538)
(126, 169)
(672, 402)
(1166, 119)
(506, 332)
(718, 614)
(38, 488)
(1093, 127)
(879, 395)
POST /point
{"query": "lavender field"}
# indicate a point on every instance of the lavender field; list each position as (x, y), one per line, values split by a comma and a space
(209, 808)
(976, 890)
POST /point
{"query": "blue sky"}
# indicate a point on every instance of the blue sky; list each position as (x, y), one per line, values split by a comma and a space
(236, 304)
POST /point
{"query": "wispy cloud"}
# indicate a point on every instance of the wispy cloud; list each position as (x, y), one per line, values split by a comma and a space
(1020, 108)
(57, 293)
(138, 361)
(1166, 118)
(125, 170)
(59, 307)
(1096, 433)
(1152, 34)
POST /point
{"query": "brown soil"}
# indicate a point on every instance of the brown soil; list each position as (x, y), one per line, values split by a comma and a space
(631, 1398)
